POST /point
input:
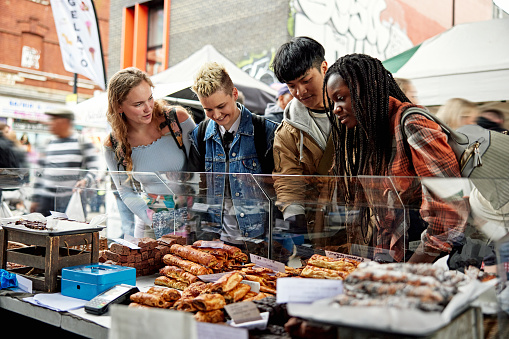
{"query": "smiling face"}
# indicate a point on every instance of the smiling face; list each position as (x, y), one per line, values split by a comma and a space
(138, 105)
(221, 107)
(339, 94)
(308, 87)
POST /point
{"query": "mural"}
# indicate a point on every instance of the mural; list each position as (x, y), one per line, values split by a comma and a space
(342, 27)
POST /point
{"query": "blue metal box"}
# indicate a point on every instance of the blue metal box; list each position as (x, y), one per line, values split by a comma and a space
(87, 281)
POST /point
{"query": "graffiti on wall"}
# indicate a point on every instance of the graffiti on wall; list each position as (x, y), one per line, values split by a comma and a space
(342, 27)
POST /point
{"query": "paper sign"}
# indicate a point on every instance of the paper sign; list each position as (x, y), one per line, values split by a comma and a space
(211, 244)
(199, 207)
(255, 285)
(58, 214)
(306, 290)
(336, 255)
(276, 266)
(242, 312)
(211, 277)
(207, 331)
(24, 284)
(127, 243)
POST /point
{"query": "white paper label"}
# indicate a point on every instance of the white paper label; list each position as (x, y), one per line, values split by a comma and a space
(212, 244)
(127, 243)
(306, 290)
(336, 255)
(255, 285)
(207, 331)
(243, 312)
(211, 277)
(199, 207)
(276, 266)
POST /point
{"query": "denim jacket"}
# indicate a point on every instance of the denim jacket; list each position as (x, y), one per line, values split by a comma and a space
(249, 202)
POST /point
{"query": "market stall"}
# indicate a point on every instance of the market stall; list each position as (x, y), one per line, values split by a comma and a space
(185, 280)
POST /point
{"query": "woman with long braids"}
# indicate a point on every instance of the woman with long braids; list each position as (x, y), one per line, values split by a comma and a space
(147, 136)
(365, 108)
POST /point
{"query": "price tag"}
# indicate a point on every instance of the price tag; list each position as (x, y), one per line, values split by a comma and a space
(243, 312)
(276, 266)
(212, 244)
(255, 285)
(211, 277)
(199, 207)
(336, 255)
(127, 243)
(206, 331)
(305, 290)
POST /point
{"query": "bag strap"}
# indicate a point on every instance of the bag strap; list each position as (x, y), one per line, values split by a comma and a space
(172, 122)
(260, 139)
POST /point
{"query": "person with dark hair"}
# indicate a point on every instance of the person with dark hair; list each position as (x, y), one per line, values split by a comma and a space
(275, 110)
(301, 138)
(365, 105)
(492, 119)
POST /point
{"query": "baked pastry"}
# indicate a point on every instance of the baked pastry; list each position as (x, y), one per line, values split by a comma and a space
(189, 266)
(194, 255)
(215, 316)
(322, 273)
(184, 304)
(195, 289)
(237, 293)
(150, 299)
(178, 274)
(136, 305)
(227, 282)
(342, 264)
(219, 253)
(168, 294)
(209, 302)
(170, 282)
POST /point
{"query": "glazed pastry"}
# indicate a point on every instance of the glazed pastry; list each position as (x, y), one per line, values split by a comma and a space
(322, 273)
(209, 302)
(169, 282)
(178, 273)
(342, 264)
(168, 294)
(149, 299)
(195, 289)
(194, 255)
(237, 293)
(216, 316)
(189, 266)
(227, 282)
(184, 304)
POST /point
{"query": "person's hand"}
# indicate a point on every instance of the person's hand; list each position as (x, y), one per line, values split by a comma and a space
(34, 206)
(80, 184)
(150, 213)
(298, 224)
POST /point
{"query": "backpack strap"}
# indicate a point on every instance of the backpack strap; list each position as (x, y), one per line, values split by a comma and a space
(260, 139)
(173, 123)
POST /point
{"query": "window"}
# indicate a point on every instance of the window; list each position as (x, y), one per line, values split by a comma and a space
(155, 54)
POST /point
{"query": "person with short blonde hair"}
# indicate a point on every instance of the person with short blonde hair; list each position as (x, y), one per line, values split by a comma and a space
(230, 140)
(457, 112)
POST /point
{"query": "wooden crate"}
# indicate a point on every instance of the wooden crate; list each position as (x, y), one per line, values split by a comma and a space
(45, 255)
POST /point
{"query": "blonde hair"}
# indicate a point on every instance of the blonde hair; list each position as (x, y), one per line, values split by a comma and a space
(119, 86)
(210, 78)
(455, 110)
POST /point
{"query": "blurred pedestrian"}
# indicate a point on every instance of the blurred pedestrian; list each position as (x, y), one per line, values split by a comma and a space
(409, 89)
(458, 112)
(61, 163)
(274, 111)
(492, 119)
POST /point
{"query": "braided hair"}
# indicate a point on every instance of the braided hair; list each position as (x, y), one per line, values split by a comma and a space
(365, 149)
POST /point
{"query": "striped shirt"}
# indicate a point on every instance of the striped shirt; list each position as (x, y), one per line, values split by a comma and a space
(63, 163)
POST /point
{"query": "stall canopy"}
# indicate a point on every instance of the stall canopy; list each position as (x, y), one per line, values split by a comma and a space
(468, 61)
(257, 94)
(174, 84)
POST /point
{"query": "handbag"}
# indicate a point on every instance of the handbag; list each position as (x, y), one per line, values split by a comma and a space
(482, 154)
